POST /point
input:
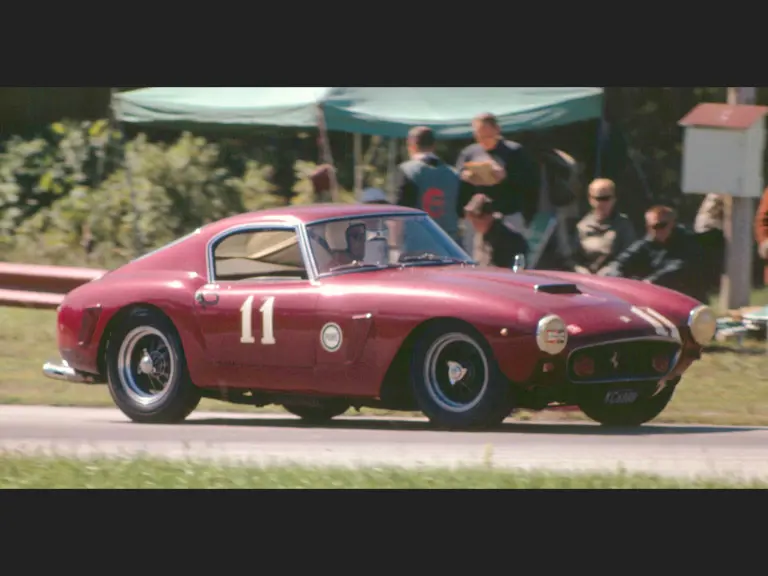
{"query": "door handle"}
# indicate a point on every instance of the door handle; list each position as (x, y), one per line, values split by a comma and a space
(205, 298)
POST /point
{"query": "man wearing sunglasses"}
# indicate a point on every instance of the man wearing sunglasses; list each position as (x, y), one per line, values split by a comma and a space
(604, 233)
(668, 256)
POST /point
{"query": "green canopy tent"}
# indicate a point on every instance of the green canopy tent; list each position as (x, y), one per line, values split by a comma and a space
(377, 111)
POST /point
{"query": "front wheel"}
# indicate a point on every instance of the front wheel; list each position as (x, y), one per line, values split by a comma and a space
(606, 409)
(455, 379)
(147, 373)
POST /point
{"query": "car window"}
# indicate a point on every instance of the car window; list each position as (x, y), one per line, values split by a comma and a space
(255, 254)
(378, 241)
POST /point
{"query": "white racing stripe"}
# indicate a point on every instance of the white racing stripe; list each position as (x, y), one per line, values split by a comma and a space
(673, 331)
(661, 330)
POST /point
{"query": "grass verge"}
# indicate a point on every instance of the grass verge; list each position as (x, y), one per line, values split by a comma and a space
(18, 471)
(725, 387)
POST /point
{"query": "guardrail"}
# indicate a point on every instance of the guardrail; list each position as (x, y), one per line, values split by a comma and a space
(37, 286)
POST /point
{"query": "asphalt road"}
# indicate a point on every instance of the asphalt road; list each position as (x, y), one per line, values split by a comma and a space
(659, 449)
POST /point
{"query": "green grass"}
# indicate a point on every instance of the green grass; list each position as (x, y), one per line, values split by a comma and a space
(726, 387)
(18, 471)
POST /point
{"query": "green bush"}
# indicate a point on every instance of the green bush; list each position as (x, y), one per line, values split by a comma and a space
(176, 188)
(35, 173)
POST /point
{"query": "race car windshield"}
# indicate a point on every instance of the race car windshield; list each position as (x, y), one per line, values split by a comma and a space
(380, 242)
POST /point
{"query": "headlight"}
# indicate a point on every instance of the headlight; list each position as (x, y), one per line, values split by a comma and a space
(551, 334)
(702, 323)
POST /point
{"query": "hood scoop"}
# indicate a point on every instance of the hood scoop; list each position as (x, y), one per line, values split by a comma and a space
(559, 288)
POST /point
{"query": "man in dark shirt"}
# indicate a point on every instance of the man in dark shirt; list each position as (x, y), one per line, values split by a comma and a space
(495, 244)
(516, 191)
(427, 183)
(668, 256)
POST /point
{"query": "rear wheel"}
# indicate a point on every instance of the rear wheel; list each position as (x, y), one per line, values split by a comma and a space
(455, 379)
(324, 411)
(147, 373)
(643, 408)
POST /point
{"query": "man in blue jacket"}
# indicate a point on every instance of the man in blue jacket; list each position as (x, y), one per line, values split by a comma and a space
(427, 183)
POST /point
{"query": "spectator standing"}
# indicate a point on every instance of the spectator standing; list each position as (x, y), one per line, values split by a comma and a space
(321, 180)
(668, 256)
(495, 243)
(761, 232)
(604, 233)
(708, 227)
(427, 183)
(761, 226)
(515, 193)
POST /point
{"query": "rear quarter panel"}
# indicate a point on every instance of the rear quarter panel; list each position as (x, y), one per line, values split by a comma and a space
(172, 292)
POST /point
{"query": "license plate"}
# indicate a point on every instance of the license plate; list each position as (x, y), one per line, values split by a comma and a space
(620, 397)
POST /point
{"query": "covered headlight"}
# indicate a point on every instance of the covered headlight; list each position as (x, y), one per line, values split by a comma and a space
(702, 323)
(551, 334)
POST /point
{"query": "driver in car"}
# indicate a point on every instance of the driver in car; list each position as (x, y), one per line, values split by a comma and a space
(347, 245)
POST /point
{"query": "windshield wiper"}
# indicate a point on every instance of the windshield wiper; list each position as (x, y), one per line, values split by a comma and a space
(355, 264)
(430, 257)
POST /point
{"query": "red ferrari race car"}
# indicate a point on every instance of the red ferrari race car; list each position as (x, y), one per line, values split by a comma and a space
(325, 307)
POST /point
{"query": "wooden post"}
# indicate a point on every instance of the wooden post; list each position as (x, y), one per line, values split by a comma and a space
(326, 155)
(391, 167)
(736, 282)
(359, 164)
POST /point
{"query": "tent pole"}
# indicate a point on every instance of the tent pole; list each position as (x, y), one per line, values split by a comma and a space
(359, 164)
(326, 155)
(602, 129)
(137, 240)
(391, 161)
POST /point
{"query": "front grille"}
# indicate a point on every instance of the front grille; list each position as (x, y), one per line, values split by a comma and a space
(622, 361)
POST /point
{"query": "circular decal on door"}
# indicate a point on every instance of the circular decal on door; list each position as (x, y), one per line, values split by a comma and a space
(330, 337)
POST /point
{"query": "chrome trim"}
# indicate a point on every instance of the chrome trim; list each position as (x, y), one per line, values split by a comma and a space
(63, 371)
(371, 214)
(309, 257)
(672, 365)
(296, 226)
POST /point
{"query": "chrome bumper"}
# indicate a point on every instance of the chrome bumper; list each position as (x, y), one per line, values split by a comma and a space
(63, 371)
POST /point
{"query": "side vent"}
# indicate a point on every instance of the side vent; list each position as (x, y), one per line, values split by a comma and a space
(557, 288)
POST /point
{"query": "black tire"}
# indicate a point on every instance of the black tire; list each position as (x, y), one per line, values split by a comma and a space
(644, 409)
(463, 407)
(130, 390)
(325, 411)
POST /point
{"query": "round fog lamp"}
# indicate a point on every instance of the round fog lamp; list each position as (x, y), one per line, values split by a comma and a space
(551, 335)
(702, 323)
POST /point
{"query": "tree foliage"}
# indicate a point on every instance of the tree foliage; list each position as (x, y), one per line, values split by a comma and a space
(169, 190)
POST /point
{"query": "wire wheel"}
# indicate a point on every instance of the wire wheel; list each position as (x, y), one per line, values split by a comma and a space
(456, 372)
(145, 365)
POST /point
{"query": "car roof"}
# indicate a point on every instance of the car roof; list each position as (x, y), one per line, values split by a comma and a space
(309, 213)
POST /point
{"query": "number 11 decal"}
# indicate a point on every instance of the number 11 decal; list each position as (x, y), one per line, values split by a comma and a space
(267, 321)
